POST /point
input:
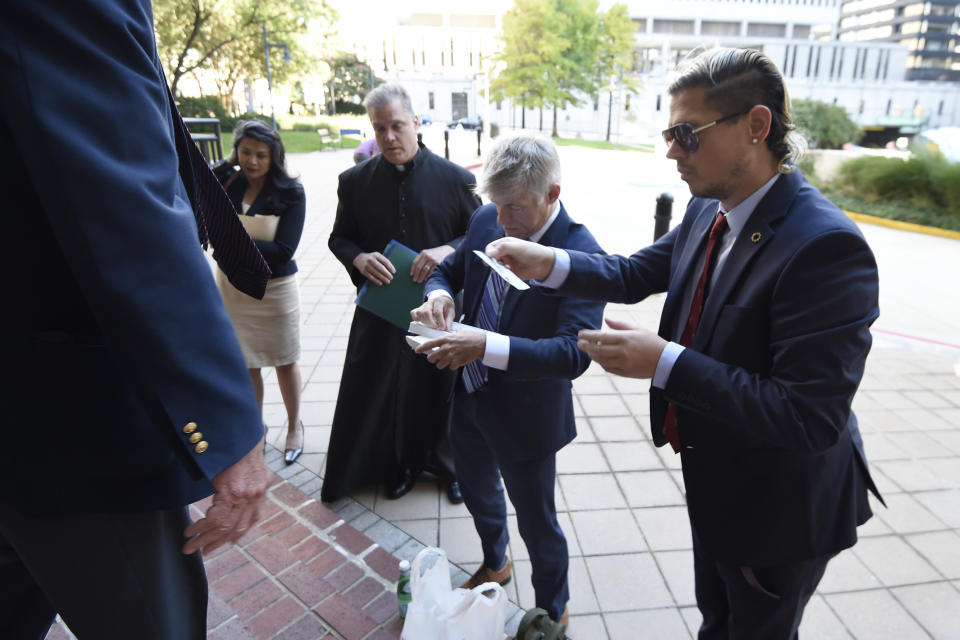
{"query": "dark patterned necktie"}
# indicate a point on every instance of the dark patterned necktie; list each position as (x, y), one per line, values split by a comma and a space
(475, 373)
(217, 220)
(670, 429)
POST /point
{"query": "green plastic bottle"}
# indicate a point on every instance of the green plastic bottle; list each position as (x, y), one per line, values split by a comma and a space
(403, 589)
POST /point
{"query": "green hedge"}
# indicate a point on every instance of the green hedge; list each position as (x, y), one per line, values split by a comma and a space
(924, 189)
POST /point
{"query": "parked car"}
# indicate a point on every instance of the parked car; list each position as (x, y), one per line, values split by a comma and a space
(466, 123)
(425, 119)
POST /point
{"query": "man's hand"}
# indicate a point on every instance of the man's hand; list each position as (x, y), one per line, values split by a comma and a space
(426, 260)
(455, 350)
(237, 504)
(436, 312)
(627, 350)
(527, 259)
(375, 267)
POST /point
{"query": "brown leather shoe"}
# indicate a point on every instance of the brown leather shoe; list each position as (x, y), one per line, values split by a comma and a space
(486, 574)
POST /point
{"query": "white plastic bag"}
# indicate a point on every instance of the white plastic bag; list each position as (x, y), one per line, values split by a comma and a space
(438, 612)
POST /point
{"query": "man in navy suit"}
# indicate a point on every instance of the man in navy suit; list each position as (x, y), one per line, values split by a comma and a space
(759, 352)
(513, 408)
(128, 397)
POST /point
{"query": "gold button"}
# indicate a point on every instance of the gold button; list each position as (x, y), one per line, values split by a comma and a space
(190, 427)
(196, 437)
(201, 446)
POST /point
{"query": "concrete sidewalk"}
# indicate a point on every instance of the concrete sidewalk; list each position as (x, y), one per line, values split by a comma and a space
(620, 499)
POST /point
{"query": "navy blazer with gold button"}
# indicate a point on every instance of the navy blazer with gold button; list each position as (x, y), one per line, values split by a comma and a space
(126, 389)
(773, 460)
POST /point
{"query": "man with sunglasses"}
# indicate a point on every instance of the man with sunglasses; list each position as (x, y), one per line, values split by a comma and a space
(771, 291)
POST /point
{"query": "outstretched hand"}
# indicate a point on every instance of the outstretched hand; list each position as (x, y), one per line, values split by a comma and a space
(528, 260)
(237, 504)
(624, 349)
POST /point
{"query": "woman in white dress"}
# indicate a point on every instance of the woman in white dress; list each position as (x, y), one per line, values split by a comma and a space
(272, 206)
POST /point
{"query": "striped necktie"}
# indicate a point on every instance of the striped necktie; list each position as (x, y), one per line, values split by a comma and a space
(217, 220)
(475, 373)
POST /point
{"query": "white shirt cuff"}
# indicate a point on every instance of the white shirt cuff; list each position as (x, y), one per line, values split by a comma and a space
(497, 352)
(439, 292)
(665, 364)
(561, 269)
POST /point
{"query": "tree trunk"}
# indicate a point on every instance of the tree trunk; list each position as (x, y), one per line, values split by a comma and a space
(523, 117)
(609, 114)
(541, 117)
(554, 132)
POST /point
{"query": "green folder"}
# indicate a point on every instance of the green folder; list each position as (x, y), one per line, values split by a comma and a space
(393, 301)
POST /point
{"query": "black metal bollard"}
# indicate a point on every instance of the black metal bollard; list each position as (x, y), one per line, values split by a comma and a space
(662, 216)
(478, 141)
(446, 144)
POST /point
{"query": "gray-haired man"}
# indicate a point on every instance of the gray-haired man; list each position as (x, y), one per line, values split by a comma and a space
(513, 409)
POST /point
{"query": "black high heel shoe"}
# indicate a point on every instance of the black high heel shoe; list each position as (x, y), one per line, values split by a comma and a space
(291, 454)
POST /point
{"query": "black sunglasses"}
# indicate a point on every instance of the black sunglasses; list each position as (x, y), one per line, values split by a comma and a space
(685, 135)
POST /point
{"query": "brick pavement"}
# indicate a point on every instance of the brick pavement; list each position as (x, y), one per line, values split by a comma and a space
(302, 573)
(620, 499)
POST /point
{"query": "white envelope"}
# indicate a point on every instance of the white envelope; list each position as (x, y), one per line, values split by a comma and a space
(504, 271)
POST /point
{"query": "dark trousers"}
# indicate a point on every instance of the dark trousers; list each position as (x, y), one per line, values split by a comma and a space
(108, 576)
(530, 485)
(735, 609)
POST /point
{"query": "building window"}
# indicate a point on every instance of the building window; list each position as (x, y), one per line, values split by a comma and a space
(673, 26)
(430, 99)
(940, 109)
(499, 105)
(658, 102)
(426, 19)
(596, 103)
(766, 30)
(801, 31)
(626, 104)
(472, 21)
(717, 28)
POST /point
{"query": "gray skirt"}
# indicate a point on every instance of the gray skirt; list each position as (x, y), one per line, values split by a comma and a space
(268, 329)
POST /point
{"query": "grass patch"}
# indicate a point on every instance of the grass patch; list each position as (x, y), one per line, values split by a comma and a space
(601, 144)
(300, 142)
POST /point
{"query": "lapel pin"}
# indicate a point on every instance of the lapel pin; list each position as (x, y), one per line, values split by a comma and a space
(755, 238)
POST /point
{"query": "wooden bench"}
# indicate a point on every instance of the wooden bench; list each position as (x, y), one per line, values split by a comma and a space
(326, 138)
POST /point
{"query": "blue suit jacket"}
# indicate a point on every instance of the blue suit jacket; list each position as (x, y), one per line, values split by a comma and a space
(772, 458)
(113, 328)
(527, 409)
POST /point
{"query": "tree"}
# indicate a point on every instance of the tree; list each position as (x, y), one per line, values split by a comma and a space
(581, 33)
(351, 80)
(532, 53)
(825, 126)
(615, 59)
(226, 37)
(557, 51)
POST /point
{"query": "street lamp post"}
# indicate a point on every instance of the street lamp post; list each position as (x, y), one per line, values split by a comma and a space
(266, 53)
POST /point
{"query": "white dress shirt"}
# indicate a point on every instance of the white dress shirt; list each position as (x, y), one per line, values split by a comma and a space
(496, 353)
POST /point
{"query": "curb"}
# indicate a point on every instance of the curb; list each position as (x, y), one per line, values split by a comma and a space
(903, 226)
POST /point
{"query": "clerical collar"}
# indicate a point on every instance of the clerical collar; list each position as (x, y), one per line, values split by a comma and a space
(410, 164)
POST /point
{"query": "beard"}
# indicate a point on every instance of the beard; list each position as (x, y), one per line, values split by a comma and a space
(721, 189)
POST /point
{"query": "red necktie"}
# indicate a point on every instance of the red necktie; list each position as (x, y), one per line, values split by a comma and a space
(217, 220)
(693, 321)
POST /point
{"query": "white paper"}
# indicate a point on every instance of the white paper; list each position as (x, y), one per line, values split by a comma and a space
(505, 273)
(260, 226)
(424, 333)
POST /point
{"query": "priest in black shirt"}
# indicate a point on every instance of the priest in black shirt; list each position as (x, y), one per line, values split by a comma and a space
(392, 410)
